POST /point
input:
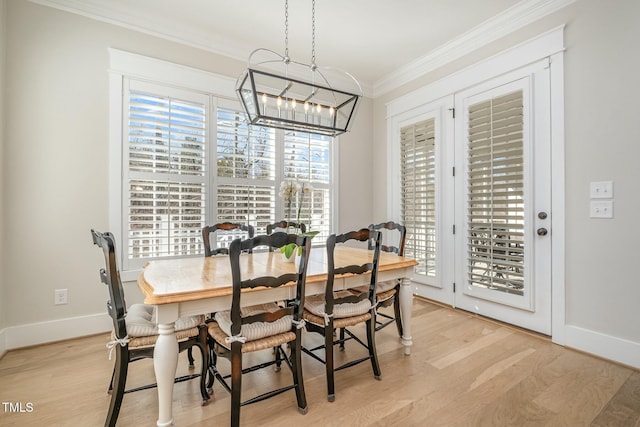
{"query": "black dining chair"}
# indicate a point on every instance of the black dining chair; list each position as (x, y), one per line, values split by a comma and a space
(245, 329)
(135, 333)
(327, 312)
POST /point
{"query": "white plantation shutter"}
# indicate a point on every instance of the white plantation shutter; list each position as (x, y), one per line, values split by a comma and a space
(185, 165)
(418, 199)
(246, 164)
(495, 194)
(307, 158)
(165, 172)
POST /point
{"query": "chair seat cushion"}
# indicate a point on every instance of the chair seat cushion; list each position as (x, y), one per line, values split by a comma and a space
(315, 304)
(381, 287)
(385, 286)
(257, 330)
(140, 321)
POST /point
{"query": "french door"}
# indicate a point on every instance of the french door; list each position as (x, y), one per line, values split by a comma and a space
(503, 199)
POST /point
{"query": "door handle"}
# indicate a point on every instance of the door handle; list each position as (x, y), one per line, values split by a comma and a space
(542, 231)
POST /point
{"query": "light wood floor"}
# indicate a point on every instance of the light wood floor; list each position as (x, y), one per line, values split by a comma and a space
(463, 371)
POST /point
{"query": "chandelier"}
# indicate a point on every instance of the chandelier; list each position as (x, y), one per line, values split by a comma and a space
(278, 92)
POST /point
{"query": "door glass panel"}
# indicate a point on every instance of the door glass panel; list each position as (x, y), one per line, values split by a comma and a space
(418, 174)
(495, 193)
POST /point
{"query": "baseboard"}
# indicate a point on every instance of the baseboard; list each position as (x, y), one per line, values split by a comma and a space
(3, 342)
(53, 330)
(606, 346)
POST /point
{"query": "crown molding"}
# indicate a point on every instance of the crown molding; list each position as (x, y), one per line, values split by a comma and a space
(512, 19)
(518, 16)
(166, 29)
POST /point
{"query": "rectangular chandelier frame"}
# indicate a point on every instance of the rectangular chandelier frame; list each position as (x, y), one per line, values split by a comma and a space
(283, 102)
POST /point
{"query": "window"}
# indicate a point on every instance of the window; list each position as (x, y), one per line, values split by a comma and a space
(183, 157)
(307, 157)
(246, 171)
(165, 168)
(418, 199)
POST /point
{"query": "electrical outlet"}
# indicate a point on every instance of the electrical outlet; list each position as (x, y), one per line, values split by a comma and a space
(601, 190)
(601, 209)
(60, 296)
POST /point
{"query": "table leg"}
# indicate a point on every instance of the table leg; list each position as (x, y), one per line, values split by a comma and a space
(406, 300)
(165, 363)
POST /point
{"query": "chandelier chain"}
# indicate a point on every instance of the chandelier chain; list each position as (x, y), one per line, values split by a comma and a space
(313, 32)
(286, 28)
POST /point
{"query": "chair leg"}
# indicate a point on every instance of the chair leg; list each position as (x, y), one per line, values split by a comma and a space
(211, 362)
(396, 309)
(342, 339)
(328, 350)
(236, 382)
(371, 344)
(118, 382)
(202, 345)
(190, 357)
(296, 362)
(113, 374)
(278, 365)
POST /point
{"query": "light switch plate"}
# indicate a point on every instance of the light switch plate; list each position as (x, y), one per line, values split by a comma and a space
(602, 209)
(601, 190)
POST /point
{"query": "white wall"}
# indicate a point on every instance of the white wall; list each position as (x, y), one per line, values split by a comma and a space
(354, 172)
(56, 173)
(602, 142)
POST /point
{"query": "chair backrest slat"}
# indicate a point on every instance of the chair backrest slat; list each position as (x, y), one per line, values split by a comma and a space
(210, 247)
(285, 225)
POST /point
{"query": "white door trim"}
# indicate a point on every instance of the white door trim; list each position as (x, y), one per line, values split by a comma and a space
(547, 45)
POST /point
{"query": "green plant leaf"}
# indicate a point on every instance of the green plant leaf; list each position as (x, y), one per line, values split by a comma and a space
(287, 250)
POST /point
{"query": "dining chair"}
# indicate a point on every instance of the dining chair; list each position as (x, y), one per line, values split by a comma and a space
(135, 333)
(387, 292)
(227, 229)
(327, 312)
(245, 329)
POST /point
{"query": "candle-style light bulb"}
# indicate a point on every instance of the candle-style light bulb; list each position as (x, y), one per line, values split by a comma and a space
(279, 104)
(331, 109)
(293, 109)
(264, 103)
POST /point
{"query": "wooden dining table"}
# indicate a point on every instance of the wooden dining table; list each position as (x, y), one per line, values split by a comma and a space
(192, 286)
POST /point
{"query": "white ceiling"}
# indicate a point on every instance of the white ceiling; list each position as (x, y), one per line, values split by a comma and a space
(375, 40)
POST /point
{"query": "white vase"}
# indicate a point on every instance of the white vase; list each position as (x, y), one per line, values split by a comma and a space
(291, 258)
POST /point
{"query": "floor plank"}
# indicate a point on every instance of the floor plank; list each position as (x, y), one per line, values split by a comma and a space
(463, 371)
